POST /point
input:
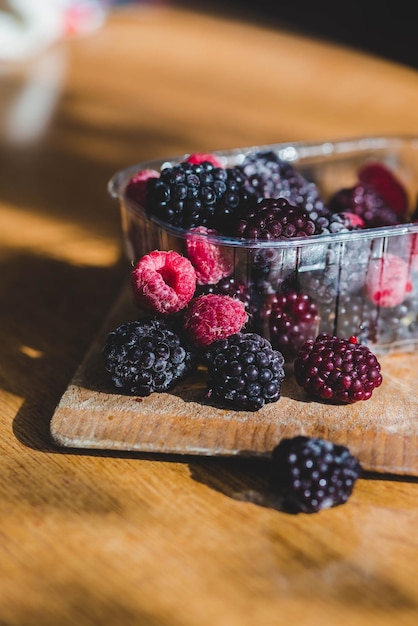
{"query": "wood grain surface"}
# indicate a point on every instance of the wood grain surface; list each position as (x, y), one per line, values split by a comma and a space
(92, 537)
(382, 432)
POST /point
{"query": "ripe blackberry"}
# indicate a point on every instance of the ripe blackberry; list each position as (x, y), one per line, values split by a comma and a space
(147, 355)
(196, 194)
(244, 371)
(332, 368)
(273, 219)
(269, 176)
(291, 319)
(310, 474)
(364, 201)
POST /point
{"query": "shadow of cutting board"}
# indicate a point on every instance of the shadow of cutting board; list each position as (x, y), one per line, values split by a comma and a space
(382, 432)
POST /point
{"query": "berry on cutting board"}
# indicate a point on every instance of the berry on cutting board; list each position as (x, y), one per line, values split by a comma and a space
(337, 369)
(244, 371)
(210, 317)
(146, 356)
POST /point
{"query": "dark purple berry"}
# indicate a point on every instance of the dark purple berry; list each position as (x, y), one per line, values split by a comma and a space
(146, 356)
(341, 370)
(244, 371)
(311, 474)
(364, 201)
(274, 219)
(291, 318)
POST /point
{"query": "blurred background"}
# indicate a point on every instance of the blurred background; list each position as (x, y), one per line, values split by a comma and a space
(385, 29)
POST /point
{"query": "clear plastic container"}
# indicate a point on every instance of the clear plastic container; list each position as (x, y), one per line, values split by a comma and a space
(334, 270)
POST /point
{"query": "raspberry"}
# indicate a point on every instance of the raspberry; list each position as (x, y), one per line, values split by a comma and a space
(272, 219)
(332, 368)
(147, 355)
(367, 203)
(137, 186)
(201, 157)
(292, 319)
(163, 282)
(211, 317)
(211, 261)
(244, 371)
(387, 280)
(311, 474)
(386, 184)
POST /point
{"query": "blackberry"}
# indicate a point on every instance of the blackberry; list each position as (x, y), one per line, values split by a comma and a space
(273, 219)
(244, 371)
(291, 319)
(332, 368)
(269, 176)
(364, 201)
(310, 474)
(187, 195)
(145, 356)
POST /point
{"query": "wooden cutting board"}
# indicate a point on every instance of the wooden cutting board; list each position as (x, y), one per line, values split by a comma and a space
(382, 432)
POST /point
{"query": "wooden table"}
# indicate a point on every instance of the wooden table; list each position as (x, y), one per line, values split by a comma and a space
(117, 538)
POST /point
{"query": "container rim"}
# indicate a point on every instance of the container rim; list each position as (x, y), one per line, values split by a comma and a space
(297, 151)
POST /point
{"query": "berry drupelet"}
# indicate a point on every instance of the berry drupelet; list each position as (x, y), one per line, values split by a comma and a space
(147, 355)
(341, 370)
(244, 371)
(310, 474)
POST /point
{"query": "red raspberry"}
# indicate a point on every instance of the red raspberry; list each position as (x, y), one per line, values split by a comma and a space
(387, 185)
(387, 280)
(163, 282)
(211, 317)
(211, 261)
(200, 157)
(137, 186)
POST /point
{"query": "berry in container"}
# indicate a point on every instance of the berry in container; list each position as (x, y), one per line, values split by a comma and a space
(313, 237)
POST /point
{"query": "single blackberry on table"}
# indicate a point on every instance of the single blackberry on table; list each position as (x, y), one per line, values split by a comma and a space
(291, 318)
(147, 355)
(273, 219)
(364, 201)
(337, 369)
(244, 371)
(310, 474)
(187, 195)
